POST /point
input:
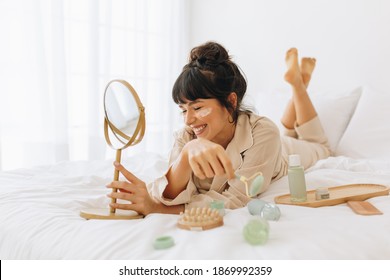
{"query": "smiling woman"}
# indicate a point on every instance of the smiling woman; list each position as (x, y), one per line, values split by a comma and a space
(223, 142)
(204, 116)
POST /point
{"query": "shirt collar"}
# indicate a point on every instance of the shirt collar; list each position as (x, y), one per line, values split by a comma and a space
(241, 141)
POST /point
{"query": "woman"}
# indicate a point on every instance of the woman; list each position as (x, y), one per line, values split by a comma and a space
(222, 139)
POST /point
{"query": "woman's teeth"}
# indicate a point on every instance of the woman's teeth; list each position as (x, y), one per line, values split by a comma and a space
(199, 129)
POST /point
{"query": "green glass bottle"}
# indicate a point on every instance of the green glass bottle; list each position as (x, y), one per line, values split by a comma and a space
(296, 179)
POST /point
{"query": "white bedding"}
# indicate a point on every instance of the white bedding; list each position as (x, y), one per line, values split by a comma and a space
(40, 218)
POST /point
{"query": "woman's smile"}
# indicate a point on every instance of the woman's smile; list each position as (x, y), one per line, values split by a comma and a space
(199, 129)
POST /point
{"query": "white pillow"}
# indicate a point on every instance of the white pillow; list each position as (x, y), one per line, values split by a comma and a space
(334, 109)
(335, 112)
(368, 133)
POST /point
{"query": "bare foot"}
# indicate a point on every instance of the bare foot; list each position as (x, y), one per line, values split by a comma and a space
(307, 68)
(293, 75)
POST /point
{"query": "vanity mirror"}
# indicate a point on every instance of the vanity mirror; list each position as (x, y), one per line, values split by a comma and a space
(124, 126)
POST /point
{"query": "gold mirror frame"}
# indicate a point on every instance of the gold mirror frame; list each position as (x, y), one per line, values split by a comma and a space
(140, 128)
(135, 138)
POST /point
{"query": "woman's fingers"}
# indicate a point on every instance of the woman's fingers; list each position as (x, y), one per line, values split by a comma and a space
(124, 195)
(128, 175)
(123, 186)
(227, 166)
(133, 190)
(210, 163)
(133, 207)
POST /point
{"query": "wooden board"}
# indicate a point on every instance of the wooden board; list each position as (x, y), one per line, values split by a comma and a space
(363, 208)
(105, 214)
(338, 195)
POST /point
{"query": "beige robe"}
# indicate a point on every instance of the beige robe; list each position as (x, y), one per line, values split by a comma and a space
(256, 146)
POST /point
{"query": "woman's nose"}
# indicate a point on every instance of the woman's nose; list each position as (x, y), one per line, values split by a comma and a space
(189, 118)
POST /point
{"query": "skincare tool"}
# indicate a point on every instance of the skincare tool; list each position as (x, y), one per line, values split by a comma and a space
(199, 219)
(255, 186)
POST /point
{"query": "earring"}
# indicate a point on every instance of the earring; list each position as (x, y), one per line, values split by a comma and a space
(230, 117)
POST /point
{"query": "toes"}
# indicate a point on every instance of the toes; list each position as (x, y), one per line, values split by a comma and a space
(291, 52)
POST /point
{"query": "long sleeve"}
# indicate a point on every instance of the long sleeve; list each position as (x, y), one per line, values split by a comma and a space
(256, 146)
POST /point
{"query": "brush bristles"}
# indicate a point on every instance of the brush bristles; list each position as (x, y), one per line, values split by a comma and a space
(200, 218)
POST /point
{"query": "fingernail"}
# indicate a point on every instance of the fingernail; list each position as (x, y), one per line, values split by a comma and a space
(116, 163)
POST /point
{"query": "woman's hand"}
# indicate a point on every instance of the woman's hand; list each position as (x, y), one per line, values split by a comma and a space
(133, 190)
(208, 159)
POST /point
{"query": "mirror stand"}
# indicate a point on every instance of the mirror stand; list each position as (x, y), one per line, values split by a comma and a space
(111, 213)
(121, 129)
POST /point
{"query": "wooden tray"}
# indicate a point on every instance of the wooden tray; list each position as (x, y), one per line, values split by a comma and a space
(338, 195)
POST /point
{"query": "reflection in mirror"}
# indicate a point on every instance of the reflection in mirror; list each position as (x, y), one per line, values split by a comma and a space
(121, 108)
(124, 114)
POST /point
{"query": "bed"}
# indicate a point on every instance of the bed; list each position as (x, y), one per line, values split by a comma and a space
(40, 206)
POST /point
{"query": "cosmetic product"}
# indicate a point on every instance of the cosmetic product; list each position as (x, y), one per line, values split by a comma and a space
(270, 212)
(218, 205)
(296, 179)
(163, 242)
(266, 210)
(322, 193)
(256, 231)
(255, 187)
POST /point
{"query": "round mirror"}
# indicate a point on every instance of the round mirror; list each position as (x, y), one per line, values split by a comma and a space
(124, 126)
(124, 123)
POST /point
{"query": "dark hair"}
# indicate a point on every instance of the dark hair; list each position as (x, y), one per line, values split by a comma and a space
(210, 73)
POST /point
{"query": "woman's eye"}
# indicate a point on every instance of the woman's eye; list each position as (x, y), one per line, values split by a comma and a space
(197, 108)
(183, 112)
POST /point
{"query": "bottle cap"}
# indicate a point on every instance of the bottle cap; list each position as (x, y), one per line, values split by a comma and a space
(294, 160)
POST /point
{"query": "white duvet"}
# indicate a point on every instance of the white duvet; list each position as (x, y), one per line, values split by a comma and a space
(40, 218)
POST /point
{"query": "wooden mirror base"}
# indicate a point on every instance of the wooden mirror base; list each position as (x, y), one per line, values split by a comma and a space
(105, 214)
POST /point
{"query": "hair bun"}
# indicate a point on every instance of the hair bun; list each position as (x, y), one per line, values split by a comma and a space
(208, 55)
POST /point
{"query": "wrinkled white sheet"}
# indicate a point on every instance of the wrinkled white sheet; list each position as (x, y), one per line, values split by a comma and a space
(40, 218)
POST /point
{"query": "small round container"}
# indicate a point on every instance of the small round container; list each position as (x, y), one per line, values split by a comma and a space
(322, 193)
(218, 205)
(255, 206)
(256, 231)
(266, 210)
(163, 242)
(270, 212)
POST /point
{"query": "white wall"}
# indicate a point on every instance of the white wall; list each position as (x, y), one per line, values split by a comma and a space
(349, 38)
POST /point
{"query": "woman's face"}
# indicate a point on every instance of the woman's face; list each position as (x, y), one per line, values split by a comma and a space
(208, 119)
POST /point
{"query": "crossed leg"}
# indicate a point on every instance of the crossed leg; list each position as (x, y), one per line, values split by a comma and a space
(300, 109)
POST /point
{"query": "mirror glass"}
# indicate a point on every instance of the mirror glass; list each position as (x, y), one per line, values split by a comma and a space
(124, 115)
